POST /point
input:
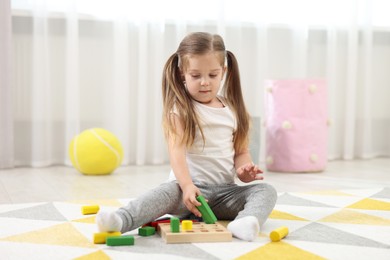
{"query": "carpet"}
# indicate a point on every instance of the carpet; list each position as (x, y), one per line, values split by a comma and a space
(338, 224)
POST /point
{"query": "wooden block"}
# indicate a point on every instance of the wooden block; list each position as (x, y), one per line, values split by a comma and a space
(91, 209)
(201, 232)
(279, 233)
(146, 231)
(207, 214)
(174, 225)
(100, 238)
(186, 225)
(120, 241)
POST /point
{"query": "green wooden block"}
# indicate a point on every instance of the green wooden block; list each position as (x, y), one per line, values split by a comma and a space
(120, 241)
(207, 214)
(175, 225)
(146, 231)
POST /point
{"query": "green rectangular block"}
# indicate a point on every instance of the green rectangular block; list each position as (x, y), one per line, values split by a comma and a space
(120, 241)
(207, 214)
(146, 231)
(175, 225)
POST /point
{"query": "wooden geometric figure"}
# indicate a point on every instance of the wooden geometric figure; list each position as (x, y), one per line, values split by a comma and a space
(175, 225)
(120, 241)
(91, 209)
(201, 232)
(100, 238)
(277, 234)
(186, 225)
(207, 214)
(146, 231)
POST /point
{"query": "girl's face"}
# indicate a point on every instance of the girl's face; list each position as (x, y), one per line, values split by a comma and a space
(203, 77)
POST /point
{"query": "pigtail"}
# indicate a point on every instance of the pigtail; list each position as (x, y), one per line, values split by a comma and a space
(176, 99)
(233, 94)
(171, 83)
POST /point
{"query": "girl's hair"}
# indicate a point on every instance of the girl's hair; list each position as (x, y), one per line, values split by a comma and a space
(176, 98)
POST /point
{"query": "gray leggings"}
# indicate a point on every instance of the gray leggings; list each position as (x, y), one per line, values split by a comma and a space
(227, 201)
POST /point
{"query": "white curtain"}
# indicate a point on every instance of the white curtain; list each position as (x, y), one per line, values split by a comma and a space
(82, 64)
(6, 104)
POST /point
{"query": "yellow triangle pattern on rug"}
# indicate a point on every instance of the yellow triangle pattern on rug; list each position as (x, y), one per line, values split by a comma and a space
(110, 203)
(276, 214)
(89, 220)
(279, 250)
(370, 204)
(354, 217)
(62, 234)
(321, 224)
(98, 255)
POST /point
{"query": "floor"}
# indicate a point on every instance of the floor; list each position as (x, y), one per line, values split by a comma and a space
(59, 183)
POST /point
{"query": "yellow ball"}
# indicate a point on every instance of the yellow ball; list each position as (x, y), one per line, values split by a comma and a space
(95, 151)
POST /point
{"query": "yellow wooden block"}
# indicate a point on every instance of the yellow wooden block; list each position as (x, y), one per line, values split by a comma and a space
(279, 233)
(92, 209)
(100, 238)
(186, 225)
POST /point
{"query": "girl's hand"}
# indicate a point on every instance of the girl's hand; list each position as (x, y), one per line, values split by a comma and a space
(190, 192)
(249, 172)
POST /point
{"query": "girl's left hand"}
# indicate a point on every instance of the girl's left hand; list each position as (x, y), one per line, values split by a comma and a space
(249, 172)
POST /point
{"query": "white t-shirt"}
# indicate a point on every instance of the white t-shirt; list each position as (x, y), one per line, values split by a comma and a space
(212, 162)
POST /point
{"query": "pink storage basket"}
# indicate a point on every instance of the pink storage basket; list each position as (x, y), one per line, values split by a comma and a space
(296, 125)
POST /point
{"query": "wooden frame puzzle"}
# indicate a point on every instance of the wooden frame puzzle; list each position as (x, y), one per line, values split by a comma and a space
(201, 232)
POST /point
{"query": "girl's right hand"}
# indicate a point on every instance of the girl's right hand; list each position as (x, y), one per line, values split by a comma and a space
(190, 192)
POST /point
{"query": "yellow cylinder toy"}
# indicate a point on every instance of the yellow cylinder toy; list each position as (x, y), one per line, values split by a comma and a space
(91, 209)
(186, 225)
(279, 233)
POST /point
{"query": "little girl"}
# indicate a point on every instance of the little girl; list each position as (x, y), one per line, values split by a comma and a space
(207, 128)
